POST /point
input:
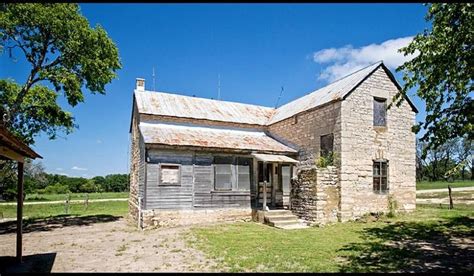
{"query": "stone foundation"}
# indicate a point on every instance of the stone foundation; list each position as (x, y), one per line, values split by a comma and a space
(173, 218)
(315, 195)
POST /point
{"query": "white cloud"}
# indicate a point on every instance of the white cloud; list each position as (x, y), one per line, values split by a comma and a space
(59, 169)
(63, 174)
(76, 168)
(347, 59)
(99, 141)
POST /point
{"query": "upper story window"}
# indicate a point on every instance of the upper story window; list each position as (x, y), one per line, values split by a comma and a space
(327, 144)
(380, 175)
(170, 174)
(380, 112)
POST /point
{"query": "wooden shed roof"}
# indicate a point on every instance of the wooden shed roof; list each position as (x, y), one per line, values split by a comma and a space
(11, 146)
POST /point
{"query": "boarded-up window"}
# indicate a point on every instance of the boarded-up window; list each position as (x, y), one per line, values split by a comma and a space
(285, 178)
(243, 173)
(380, 175)
(327, 144)
(169, 174)
(380, 112)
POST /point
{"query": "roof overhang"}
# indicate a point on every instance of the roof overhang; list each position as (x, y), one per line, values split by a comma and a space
(274, 158)
(13, 148)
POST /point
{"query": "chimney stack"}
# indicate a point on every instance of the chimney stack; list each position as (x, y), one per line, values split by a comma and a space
(140, 84)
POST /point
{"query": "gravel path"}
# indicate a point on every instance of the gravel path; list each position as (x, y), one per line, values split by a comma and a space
(445, 190)
(62, 201)
(108, 245)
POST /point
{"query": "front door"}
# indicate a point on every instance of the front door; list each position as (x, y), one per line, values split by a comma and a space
(264, 174)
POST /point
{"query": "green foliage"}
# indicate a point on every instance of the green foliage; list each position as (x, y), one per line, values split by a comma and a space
(56, 188)
(62, 49)
(326, 160)
(443, 72)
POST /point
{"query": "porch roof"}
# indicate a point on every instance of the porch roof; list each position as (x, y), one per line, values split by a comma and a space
(210, 137)
(274, 158)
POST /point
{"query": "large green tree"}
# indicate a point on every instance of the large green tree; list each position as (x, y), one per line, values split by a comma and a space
(65, 55)
(443, 72)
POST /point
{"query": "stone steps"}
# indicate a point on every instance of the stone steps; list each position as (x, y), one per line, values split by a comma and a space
(283, 219)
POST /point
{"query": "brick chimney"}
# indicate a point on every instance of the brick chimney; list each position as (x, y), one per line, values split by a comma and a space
(140, 84)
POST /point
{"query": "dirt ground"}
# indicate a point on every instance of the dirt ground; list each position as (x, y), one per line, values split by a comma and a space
(106, 245)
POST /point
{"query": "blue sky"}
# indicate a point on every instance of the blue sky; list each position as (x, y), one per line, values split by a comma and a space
(256, 49)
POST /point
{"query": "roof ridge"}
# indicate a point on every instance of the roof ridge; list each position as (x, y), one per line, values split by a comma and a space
(341, 78)
(202, 98)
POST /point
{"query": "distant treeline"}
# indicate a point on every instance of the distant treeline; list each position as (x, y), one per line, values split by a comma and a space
(38, 181)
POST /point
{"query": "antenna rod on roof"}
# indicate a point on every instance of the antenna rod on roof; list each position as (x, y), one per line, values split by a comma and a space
(154, 88)
(218, 86)
(278, 100)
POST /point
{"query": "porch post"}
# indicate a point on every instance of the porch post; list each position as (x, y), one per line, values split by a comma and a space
(19, 214)
(264, 186)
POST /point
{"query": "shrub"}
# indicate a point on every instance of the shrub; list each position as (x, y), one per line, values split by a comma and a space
(326, 160)
(392, 206)
(57, 188)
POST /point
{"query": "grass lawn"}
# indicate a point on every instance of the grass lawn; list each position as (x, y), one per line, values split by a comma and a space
(403, 243)
(38, 211)
(55, 197)
(425, 185)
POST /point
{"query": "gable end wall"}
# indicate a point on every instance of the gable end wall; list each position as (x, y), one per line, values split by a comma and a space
(361, 143)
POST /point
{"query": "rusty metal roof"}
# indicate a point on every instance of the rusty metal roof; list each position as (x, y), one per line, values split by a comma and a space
(334, 91)
(210, 137)
(159, 103)
(274, 158)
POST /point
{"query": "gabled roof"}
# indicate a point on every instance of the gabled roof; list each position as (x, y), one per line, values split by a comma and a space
(334, 91)
(210, 137)
(165, 104)
(159, 103)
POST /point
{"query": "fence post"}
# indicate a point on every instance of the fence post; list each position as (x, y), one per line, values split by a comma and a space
(450, 198)
(66, 205)
(86, 201)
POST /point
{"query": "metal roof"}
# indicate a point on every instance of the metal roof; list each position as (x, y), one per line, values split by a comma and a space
(159, 103)
(210, 137)
(334, 91)
(274, 158)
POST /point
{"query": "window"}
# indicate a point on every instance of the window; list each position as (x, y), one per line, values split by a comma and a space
(380, 112)
(232, 173)
(327, 143)
(243, 173)
(169, 174)
(380, 176)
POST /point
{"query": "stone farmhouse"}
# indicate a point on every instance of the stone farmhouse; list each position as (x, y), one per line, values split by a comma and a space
(195, 159)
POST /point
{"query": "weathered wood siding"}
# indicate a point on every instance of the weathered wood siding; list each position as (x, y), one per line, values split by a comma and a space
(196, 188)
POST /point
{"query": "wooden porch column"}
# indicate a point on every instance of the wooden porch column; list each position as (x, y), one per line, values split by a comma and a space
(19, 214)
(264, 207)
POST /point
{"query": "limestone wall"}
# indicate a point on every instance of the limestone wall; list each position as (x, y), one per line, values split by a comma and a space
(315, 195)
(361, 143)
(305, 131)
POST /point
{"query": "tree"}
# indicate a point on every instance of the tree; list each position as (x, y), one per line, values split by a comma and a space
(62, 50)
(443, 72)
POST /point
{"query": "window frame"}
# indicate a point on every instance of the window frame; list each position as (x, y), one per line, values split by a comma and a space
(380, 176)
(160, 182)
(379, 100)
(215, 177)
(234, 172)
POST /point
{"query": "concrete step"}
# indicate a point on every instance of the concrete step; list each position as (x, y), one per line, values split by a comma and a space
(293, 226)
(278, 212)
(284, 222)
(281, 217)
